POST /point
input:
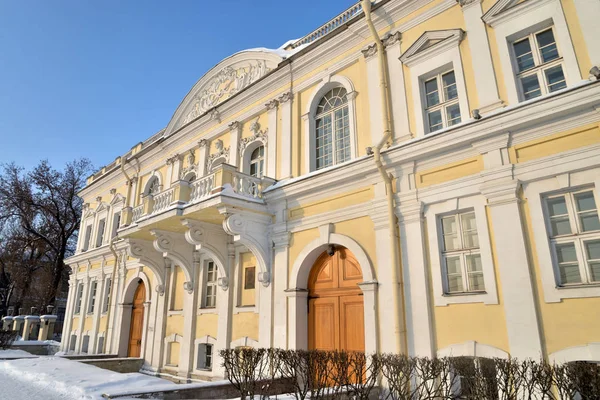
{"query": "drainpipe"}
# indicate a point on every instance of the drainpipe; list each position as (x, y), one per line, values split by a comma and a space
(396, 283)
(114, 252)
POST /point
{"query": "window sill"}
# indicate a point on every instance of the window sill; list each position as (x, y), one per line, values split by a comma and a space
(580, 286)
(202, 311)
(174, 312)
(464, 294)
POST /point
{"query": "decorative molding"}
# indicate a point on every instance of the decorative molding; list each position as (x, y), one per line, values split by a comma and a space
(160, 289)
(222, 152)
(285, 97)
(215, 115)
(191, 167)
(272, 105)
(202, 143)
(467, 3)
(431, 43)
(369, 51)
(173, 159)
(235, 125)
(257, 134)
(228, 82)
(392, 38)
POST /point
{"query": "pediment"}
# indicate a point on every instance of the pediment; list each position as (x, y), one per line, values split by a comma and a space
(118, 198)
(503, 9)
(222, 82)
(430, 43)
(102, 207)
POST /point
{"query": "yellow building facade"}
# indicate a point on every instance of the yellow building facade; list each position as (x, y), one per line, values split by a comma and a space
(416, 176)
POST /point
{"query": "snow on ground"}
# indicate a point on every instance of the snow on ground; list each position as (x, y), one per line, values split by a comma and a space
(13, 354)
(58, 378)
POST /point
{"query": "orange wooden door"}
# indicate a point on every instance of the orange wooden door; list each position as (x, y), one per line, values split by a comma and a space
(137, 320)
(335, 307)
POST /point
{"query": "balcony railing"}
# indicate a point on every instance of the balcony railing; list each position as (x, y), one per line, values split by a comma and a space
(223, 180)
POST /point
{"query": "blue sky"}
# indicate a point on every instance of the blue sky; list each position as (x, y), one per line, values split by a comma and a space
(84, 78)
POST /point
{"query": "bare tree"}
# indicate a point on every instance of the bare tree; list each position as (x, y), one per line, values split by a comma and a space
(43, 212)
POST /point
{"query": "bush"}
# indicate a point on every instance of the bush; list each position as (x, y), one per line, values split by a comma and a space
(319, 374)
(6, 338)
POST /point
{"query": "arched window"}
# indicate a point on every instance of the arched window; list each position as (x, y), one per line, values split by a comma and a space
(332, 134)
(153, 186)
(257, 162)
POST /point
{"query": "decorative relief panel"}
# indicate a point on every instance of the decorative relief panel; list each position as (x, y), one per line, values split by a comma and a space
(221, 152)
(257, 134)
(229, 81)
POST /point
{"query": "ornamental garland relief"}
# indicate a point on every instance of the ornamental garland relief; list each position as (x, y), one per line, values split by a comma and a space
(229, 81)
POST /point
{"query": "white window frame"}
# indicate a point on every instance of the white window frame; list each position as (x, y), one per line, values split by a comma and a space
(462, 252)
(101, 235)
(309, 119)
(78, 298)
(204, 341)
(540, 67)
(106, 294)
(91, 306)
(261, 160)
(534, 15)
(427, 63)
(432, 213)
(577, 237)
(535, 192)
(206, 284)
(246, 155)
(444, 103)
(87, 237)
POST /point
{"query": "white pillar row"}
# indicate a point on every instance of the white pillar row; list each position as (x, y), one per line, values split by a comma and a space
(374, 91)
(393, 51)
(224, 310)
(297, 330)
(203, 149)
(160, 317)
(416, 289)
(588, 13)
(280, 284)
(271, 170)
(285, 102)
(483, 69)
(93, 346)
(235, 129)
(66, 332)
(82, 311)
(117, 307)
(515, 272)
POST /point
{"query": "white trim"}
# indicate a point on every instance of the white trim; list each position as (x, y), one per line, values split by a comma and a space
(534, 192)
(244, 341)
(308, 117)
(432, 211)
(172, 338)
(204, 340)
(471, 348)
(586, 352)
(524, 18)
(443, 56)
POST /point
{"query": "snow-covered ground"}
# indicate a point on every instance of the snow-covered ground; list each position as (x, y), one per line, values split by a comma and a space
(58, 378)
(14, 354)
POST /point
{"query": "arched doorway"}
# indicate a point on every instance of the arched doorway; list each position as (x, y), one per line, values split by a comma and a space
(137, 321)
(335, 305)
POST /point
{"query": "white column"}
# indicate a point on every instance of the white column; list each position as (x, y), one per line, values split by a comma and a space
(224, 310)
(280, 284)
(397, 88)
(82, 312)
(513, 265)
(66, 331)
(285, 102)
(416, 290)
(97, 313)
(189, 327)
(161, 319)
(374, 92)
(203, 149)
(117, 310)
(485, 79)
(236, 132)
(588, 13)
(298, 321)
(272, 138)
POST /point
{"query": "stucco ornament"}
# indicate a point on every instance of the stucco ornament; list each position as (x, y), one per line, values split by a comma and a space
(229, 81)
(257, 134)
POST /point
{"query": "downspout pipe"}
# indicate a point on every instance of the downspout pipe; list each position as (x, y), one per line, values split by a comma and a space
(396, 282)
(114, 253)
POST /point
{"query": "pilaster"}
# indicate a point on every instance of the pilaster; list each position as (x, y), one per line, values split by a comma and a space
(285, 102)
(588, 14)
(235, 129)
(297, 330)
(374, 92)
(203, 151)
(271, 170)
(280, 268)
(82, 312)
(161, 316)
(64, 344)
(483, 70)
(399, 105)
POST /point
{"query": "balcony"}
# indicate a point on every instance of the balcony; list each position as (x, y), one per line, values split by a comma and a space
(224, 180)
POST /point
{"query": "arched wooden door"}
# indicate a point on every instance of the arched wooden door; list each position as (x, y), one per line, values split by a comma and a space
(137, 321)
(335, 305)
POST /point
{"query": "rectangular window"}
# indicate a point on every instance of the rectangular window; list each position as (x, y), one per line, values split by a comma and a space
(78, 296)
(205, 354)
(93, 289)
(86, 238)
(106, 295)
(441, 101)
(538, 64)
(116, 224)
(574, 231)
(210, 287)
(461, 256)
(249, 278)
(100, 236)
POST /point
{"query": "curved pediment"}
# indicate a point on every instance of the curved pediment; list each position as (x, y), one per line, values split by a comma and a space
(223, 81)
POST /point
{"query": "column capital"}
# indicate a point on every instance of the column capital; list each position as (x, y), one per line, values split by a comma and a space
(272, 105)
(235, 125)
(369, 51)
(281, 240)
(391, 39)
(468, 3)
(410, 211)
(498, 193)
(285, 97)
(203, 143)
